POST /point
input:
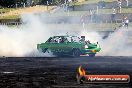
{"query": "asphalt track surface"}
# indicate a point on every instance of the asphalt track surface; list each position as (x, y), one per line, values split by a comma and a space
(59, 72)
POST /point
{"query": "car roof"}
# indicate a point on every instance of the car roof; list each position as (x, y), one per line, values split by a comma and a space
(65, 36)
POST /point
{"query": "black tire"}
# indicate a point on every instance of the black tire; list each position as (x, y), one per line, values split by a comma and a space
(58, 54)
(92, 55)
(76, 53)
(45, 50)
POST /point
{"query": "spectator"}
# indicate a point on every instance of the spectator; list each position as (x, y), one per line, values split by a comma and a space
(123, 21)
(91, 15)
(94, 17)
(113, 15)
(119, 2)
(127, 2)
(126, 21)
(101, 4)
(82, 19)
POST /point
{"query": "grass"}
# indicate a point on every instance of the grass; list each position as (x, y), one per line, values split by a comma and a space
(10, 17)
(5, 10)
(12, 14)
(96, 1)
(90, 2)
(78, 27)
(90, 26)
(109, 11)
(9, 13)
(102, 26)
(73, 13)
(80, 13)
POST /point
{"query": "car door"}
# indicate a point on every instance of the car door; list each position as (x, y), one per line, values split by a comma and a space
(64, 45)
(53, 45)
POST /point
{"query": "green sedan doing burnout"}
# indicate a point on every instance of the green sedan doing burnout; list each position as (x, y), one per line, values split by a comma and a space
(69, 46)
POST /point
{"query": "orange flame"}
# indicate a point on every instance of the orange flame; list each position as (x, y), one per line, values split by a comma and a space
(81, 71)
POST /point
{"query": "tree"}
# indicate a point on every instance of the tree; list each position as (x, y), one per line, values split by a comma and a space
(7, 3)
(10, 3)
(54, 2)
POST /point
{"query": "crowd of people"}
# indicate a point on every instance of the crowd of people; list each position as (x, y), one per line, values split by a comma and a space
(93, 16)
(125, 20)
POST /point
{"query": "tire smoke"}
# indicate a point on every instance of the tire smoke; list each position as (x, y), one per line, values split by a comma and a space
(117, 43)
(23, 40)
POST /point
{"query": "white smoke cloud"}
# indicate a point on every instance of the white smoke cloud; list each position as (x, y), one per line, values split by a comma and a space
(91, 36)
(23, 40)
(117, 44)
(20, 41)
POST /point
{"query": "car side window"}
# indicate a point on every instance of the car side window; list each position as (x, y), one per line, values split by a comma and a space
(61, 40)
(75, 39)
(49, 40)
(58, 40)
(68, 39)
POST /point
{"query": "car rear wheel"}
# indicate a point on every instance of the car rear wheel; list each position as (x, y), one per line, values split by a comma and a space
(76, 53)
(92, 55)
(46, 50)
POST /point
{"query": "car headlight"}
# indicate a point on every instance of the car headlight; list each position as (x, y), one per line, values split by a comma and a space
(94, 51)
(98, 46)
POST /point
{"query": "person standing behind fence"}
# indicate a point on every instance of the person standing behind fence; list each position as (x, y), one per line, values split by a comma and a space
(127, 3)
(91, 15)
(113, 15)
(119, 2)
(126, 21)
(83, 20)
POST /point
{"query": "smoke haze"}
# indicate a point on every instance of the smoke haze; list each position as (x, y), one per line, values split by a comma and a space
(23, 40)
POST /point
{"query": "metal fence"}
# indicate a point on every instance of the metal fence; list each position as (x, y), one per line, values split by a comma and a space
(11, 23)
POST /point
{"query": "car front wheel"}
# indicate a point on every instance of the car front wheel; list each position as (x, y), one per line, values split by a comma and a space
(46, 50)
(92, 55)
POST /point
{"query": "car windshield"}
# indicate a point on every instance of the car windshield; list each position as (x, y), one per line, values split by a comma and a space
(73, 39)
(62, 39)
(56, 39)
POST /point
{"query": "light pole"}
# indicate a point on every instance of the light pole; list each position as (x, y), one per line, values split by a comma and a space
(52, 2)
(47, 5)
(127, 3)
(15, 3)
(66, 6)
(65, 1)
(24, 4)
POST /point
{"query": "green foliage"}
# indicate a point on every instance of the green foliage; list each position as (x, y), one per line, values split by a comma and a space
(7, 3)
(56, 1)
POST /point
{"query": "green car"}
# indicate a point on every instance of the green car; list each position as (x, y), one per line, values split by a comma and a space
(69, 45)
